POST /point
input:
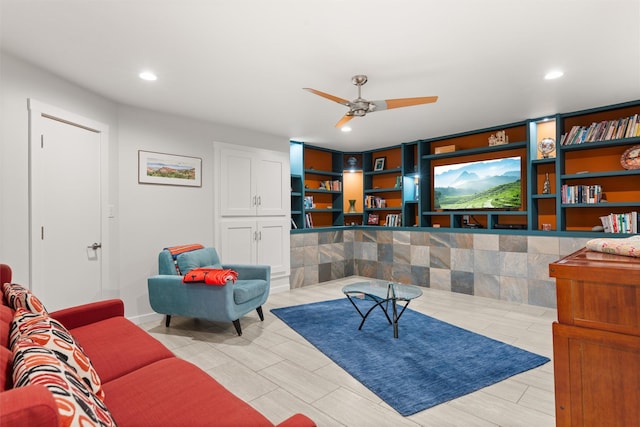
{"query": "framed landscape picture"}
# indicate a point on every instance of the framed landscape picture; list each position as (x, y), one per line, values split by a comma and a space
(169, 169)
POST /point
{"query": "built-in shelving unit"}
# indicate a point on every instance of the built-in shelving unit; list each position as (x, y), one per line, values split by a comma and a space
(398, 181)
(597, 163)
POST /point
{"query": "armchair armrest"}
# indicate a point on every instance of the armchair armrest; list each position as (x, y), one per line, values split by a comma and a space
(249, 272)
(81, 315)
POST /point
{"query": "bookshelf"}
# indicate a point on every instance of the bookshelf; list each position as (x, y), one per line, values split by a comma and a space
(353, 182)
(383, 180)
(596, 162)
(316, 186)
(543, 209)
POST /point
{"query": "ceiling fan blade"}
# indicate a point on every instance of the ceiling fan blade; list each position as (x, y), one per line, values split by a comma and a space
(344, 120)
(328, 96)
(388, 104)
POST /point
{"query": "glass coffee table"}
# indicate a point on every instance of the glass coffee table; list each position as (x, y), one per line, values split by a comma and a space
(383, 295)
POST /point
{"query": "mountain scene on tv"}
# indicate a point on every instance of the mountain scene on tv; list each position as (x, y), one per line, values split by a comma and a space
(489, 184)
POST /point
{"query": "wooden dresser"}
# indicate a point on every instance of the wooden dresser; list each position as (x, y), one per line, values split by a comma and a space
(596, 341)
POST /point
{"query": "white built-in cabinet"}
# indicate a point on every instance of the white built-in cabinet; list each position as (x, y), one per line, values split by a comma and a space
(264, 241)
(252, 208)
(254, 183)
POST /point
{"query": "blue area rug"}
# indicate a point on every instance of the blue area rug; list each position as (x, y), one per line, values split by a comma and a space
(430, 363)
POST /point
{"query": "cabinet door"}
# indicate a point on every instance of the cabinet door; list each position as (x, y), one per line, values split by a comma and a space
(596, 377)
(272, 178)
(237, 183)
(238, 241)
(273, 245)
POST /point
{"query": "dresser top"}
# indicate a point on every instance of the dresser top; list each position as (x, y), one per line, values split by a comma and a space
(589, 265)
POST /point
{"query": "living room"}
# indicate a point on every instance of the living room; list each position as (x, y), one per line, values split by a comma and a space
(142, 219)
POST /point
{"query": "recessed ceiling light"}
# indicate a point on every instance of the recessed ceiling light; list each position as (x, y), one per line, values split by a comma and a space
(555, 74)
(345, 129)
(148, 76)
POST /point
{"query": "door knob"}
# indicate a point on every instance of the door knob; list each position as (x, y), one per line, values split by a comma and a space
(95, 246)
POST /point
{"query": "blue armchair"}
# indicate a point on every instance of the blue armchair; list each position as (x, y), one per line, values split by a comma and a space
(169, 296)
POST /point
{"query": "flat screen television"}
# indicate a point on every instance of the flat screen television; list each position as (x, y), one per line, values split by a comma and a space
(478, 185)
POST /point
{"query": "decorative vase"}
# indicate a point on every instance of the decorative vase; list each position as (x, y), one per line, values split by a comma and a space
(352, 206)
(546, 187)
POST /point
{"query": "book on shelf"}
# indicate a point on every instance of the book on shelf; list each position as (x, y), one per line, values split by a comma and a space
(393, 220)
(626, 223)
(335, 185)
(308, 221)
(573, 194)
(605, 130)
(293, 224)
(374, 202)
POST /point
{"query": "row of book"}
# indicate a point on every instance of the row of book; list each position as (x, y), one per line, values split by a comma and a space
(374, 202)
(335, 185)
(620, 223)
(572, 194)
(308, 221)
(626, 127)
(393, 220)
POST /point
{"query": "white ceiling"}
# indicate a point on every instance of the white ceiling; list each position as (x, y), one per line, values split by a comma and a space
(244, 62)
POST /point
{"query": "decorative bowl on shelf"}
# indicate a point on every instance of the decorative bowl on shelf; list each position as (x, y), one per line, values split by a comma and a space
(546, 147)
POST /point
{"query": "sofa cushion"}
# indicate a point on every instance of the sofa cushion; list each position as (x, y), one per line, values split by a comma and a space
(18, 296)
(51, 334)
(34, 364)
(6, 317)
(135, 347)
(246, 290)
(206, 257)
(6, 367)
(154, 387)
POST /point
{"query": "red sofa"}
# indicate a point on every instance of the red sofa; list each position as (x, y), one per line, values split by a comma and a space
(144, 383)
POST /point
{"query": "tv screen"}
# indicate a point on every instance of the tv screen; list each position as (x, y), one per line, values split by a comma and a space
(484, 184)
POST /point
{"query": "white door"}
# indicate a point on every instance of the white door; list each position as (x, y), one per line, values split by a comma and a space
(66, 206)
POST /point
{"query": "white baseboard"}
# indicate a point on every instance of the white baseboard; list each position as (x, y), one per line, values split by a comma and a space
(280, 284)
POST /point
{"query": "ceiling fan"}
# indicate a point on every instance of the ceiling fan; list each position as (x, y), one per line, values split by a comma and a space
(359, 107)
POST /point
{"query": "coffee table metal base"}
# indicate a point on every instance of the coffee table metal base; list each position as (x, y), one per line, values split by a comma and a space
(381, 300)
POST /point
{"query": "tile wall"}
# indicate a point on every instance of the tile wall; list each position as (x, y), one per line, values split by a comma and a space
(502, 266)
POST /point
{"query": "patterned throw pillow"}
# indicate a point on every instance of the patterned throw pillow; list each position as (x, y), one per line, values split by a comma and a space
(77, 406)
(20, 297)
(50, 333)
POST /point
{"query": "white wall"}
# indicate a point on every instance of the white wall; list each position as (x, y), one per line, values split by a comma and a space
(19, 82)
(147, 217)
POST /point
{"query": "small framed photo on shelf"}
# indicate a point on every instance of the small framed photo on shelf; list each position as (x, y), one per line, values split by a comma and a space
(378, 164)
(373, 219)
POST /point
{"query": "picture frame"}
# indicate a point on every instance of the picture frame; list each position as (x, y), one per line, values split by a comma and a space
(169, 169)
(373, 219)
(378, 163)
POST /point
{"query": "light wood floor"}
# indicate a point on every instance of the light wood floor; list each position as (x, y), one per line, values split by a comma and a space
(279, 373)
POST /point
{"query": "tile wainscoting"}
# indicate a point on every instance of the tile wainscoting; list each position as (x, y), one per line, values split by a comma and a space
(501, 266)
